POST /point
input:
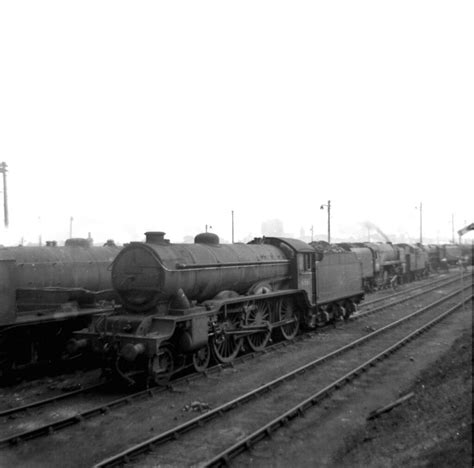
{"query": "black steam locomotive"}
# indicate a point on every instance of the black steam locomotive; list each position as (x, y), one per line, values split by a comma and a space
(183, 303)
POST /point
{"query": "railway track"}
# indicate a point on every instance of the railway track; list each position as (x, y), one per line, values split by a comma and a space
(260, 412)
(92, 410)
(365, 305)
(406, 289)
(50, 400)
(405, 295)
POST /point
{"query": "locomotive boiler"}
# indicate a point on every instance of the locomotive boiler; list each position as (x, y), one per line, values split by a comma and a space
(183, 303)
(149, 274)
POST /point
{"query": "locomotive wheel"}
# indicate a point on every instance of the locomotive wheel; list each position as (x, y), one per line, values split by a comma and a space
(201, 359)
(288, 312)
(258, 314)
(226, 347)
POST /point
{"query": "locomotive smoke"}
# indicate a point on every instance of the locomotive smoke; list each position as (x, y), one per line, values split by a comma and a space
(370, 225)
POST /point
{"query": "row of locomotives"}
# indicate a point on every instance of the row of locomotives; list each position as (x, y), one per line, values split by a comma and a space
(386, 265)
(185, 304)
(46, 293)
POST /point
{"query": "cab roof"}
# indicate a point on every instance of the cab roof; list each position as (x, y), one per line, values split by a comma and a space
(295, 244)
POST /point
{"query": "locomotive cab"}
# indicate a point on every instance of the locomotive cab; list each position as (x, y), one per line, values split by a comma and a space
(303, 265)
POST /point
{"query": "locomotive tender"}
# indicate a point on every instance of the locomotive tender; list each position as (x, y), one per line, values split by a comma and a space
(184, 302)
(46, 293)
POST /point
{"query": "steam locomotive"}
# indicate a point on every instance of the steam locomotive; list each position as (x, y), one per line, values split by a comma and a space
(48, 292)
(183, 303)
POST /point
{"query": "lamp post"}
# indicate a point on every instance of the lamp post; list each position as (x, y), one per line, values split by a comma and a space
(328, 206)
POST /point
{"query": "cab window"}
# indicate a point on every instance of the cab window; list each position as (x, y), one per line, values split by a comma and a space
(305, 262)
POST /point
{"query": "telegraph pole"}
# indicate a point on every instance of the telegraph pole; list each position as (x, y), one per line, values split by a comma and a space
(3, 170)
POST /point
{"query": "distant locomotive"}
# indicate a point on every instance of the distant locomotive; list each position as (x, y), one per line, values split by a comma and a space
(445, 255)
(382, 261)
(46, 293)
(184, 302)
(451, 252)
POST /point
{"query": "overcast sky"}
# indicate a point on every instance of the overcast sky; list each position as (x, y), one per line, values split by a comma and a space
(137, 116)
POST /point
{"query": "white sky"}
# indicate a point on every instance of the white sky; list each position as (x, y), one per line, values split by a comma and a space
(137, 116)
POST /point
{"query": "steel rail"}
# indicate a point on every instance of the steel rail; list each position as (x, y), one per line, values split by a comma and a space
(172, 434)
(53, 399)
(223, 458)
(403, 299)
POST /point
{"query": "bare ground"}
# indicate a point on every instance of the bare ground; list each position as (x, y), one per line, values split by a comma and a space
(432, 429)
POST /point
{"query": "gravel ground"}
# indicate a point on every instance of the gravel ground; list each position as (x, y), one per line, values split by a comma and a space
(46, 387)
(434, 428)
